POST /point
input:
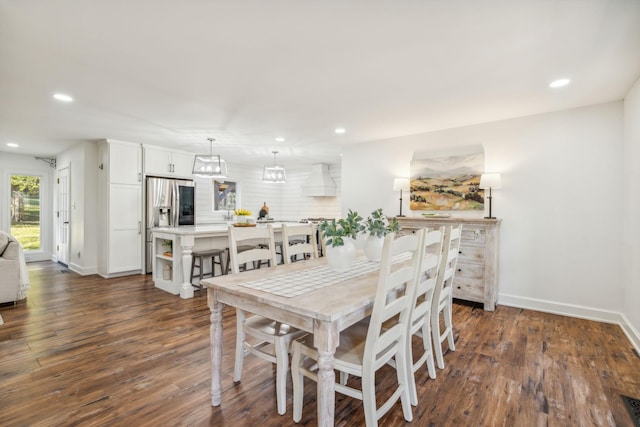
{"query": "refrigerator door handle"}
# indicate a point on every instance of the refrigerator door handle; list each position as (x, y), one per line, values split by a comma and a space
(139, 227)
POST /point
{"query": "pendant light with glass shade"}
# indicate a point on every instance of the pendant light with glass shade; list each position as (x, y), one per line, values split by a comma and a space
(209, 165)
(275, 173)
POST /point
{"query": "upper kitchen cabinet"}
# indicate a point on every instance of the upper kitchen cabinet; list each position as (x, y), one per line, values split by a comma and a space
(160, 161)
(122, 162)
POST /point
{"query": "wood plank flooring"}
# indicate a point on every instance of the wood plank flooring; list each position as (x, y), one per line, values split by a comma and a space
(90, 351)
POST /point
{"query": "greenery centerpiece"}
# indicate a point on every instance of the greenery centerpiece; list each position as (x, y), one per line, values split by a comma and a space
(355, 224)
(378, 226)
(340, 249)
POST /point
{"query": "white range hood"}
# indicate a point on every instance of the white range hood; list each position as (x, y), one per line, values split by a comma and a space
(319, 182)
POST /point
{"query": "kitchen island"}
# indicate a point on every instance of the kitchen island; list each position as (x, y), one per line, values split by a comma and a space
(173, 246)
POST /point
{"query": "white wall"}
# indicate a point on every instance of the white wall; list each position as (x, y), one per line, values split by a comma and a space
(17, 164)
(285, 201)
(631, 212)
(82, 161)
(560, 201)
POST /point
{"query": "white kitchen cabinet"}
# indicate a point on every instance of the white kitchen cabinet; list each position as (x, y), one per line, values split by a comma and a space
(126, 167)
(119, 208)
(125, 228)
(159, 161)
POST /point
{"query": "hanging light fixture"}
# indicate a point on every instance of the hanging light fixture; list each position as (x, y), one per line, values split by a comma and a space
(274, 173)
(209, 165)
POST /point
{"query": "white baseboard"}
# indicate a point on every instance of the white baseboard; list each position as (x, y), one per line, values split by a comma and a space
(83, 271)
(631, 332)
(35, 256)
(120, 274)
(577, 311)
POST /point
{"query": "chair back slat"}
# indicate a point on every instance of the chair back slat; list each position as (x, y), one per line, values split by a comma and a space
(241, 235)
(305, 232)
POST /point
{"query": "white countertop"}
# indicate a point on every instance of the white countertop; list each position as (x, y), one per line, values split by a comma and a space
(213, 228)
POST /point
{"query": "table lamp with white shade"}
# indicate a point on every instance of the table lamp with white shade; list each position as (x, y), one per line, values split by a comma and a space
(400, 184)
(490, 181)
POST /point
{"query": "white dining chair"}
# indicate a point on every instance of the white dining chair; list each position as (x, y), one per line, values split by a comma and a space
(366, 346)
(299, 239)
(443, 294)
(271, 340)
(420, 325)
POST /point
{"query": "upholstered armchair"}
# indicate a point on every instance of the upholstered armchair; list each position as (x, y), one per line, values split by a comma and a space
(14, 279)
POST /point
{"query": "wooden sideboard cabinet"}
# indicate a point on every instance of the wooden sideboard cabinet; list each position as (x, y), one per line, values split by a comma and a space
(476, 277)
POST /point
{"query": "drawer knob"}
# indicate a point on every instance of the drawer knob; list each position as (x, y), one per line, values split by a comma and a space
(459, 269)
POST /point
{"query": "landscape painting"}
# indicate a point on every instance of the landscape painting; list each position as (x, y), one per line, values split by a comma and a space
(447, 183)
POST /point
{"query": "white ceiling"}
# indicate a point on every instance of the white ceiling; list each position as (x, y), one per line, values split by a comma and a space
(174, 73)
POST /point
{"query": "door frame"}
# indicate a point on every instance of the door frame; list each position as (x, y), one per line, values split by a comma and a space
(46, 209)
(64, 250)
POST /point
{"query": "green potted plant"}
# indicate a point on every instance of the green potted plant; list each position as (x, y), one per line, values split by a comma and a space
(355, 225)
(378, 226)
(168, 245)
(341, 251)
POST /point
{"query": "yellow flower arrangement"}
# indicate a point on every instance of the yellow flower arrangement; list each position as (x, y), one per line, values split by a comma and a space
(241, 212)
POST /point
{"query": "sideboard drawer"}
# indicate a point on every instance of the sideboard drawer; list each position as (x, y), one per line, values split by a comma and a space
(472, 237)
(468, 289)
(469, 271)
(471, 254)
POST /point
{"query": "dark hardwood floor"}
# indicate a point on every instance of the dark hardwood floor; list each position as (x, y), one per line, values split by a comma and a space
(90, 351)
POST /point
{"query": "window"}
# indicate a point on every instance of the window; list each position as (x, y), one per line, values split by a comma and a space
(25, 211)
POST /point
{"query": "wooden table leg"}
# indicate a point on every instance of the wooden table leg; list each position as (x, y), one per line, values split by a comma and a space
(216, 347)
(326, 339)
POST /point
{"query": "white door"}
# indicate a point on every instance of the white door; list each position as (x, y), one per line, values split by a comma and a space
(63, 216)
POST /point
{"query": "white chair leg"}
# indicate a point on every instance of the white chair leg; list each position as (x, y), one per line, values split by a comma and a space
(282, 369)
(411, 379)
(435, 334)
(240, 337)
(344, 377)
(427, 344)
(369, 399)
(401, 371)
(449, 325)
(298, 382)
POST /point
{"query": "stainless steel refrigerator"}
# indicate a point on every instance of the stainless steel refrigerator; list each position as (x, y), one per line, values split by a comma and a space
(170, 202)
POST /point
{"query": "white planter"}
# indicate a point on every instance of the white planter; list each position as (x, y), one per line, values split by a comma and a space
(360, 241)
(373, 248)
(340, 258)
(242, 219)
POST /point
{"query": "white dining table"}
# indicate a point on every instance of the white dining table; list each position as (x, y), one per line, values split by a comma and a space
(306, 295)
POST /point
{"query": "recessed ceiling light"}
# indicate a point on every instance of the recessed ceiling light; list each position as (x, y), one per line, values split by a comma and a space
(340, 130)
(12, 144)
(559, 83)
(280, 139)
(63, 97)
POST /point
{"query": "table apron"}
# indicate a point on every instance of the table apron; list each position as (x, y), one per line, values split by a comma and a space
(304, 323)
